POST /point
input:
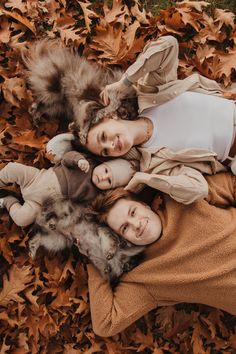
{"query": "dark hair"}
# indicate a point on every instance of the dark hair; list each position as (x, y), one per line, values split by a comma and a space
(77, 146)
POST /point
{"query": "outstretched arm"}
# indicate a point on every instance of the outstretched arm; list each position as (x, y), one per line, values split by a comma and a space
(185, 184)
(114, 310)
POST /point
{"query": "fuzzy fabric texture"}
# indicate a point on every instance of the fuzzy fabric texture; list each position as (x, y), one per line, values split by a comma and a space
(68, 86)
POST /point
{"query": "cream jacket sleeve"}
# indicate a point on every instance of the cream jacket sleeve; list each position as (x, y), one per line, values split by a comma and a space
(160, 58)
(114, 310)
(184, 184)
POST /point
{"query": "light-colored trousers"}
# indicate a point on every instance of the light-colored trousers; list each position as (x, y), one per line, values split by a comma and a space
(36, 186)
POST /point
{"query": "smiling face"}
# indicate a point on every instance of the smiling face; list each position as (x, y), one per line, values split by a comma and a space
(102, 177)
(134, 221)
(109, 138)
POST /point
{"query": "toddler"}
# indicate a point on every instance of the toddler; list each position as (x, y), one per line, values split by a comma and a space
(74, 177)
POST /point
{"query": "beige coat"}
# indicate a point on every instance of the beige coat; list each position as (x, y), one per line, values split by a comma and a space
(179, 174)
(193, 261)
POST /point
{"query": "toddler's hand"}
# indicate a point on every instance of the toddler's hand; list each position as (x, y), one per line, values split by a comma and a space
(83, 164)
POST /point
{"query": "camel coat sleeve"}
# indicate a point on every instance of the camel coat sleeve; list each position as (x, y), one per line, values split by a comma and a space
(110, 313)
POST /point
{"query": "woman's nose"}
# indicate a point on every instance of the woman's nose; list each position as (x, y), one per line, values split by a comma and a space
(109, 144)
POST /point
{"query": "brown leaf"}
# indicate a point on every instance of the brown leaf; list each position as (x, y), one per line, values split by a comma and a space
(28, 138)
(14, 90)
(198, 5)
(16, 4)
(4, 30)
(18, 278)
(108, 41)
(224, 17)
(88, 14)
(141, 16)
(198, 347)
(19, 18)
(118, 13)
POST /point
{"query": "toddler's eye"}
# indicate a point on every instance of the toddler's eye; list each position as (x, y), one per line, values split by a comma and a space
(109, 181)
(106, 170)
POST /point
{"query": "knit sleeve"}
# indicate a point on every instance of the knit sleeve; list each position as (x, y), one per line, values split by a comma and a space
(114, 310)
(222, 189)
(71, 158)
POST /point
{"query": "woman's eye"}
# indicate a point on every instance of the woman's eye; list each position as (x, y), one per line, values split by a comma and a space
(103, 136)
(133, 212)
(105, 152)
(125, 228)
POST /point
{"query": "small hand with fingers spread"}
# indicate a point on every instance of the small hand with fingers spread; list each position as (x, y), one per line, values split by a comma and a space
(83, 164)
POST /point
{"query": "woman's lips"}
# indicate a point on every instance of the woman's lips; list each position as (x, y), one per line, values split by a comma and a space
(142, 230)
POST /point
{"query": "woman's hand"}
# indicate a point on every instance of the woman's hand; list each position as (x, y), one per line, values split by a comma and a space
(137, 182)
(83, 164)
(118, 86)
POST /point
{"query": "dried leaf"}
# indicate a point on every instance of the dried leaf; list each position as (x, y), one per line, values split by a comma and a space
(20, 18)
(12, 286)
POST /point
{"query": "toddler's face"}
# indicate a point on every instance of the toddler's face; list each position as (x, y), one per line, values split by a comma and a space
(102, 177)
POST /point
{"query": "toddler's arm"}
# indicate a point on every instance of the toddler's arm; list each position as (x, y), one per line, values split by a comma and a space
(75, 159)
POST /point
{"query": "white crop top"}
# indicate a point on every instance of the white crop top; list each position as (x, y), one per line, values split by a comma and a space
(193, 120)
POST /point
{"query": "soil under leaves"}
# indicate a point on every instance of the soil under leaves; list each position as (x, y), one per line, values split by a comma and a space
(44, 304)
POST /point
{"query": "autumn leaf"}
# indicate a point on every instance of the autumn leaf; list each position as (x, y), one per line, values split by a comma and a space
(12, 286)
(28, 138)
(20, 18)
(16, 4)
(88, 14)
(45, 302)
(224, 18)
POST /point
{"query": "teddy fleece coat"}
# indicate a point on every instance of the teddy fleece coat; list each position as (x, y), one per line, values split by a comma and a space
(194, 261)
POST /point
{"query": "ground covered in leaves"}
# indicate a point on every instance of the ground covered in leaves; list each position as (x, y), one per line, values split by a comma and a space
(44, 304)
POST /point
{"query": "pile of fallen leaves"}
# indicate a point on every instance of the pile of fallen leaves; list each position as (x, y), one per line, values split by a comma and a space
(44, 303)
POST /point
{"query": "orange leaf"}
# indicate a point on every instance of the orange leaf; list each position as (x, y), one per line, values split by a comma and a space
(18, 278)
(20, 19)
(16, 4)
(28, 138)
(88, 14)
(224, 18)
(4, 31)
